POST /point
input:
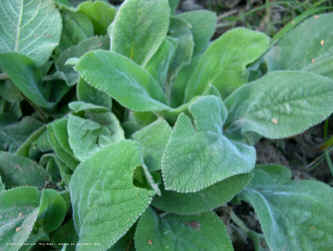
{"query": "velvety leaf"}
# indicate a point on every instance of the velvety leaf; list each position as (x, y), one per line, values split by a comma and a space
(198, 155)
(228, 57)
(153, 138)
(52, 210)
(123, 80)
(64, 234)
(312, 37)
(65, 71)
(159, 64)
(14, 134)
(20, 171)
(87, 137)
(281, 104)
(100, 13)
(203, 25)
(26, 77)
(30, 143)
(78, 107)
(104, 198)
(296, 216)
(139, 28)
(77, 28)
(31, 28)
(204, 200)
(89, 94)
(179, 233)
(19, 208)
(180, 30)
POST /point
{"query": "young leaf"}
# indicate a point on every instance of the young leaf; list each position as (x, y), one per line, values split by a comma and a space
(311, 37)
(52, 210)
(204, 200)
(203, 25)
(198, 156)
(89, 94)
(20, 171)
(139, 29)
(31, 28)
(179, 233)
(31, 142)
(19, 208)
(123, 80)
(228, 57)
(281, 104)
(26, 77)
(100, 13)
(294, 216)
(153, 139)
(66, 71)
(104, 184)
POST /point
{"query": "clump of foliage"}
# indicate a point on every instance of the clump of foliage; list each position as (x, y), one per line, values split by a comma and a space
(124, 128)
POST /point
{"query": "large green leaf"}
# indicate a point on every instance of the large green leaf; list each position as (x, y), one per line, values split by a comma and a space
(139, 28)
(104, 198)
(26, 77)
(294, 215)
(281, 104)
(31, 28)
(65, 71)
(122, 79)
(181, 233)
(153, 139)
(228, 57)
(204, 200)
(20, 171)
(198, 155)
(19, 208)
(100, 13)
(203, 25)
(312, 37)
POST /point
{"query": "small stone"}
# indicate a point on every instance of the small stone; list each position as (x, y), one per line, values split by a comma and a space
(18, 229)
(20, 215)
(275, 121)
(316, 16)
(313, 60)
(150, 242)
(322, 42)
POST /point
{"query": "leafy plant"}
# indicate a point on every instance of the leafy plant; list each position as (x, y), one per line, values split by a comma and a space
(125, 128)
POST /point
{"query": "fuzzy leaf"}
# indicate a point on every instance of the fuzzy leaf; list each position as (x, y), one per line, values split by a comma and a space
(31, 28)
(104, 198)
(198, 156)
(179, 233)
(281, 104)
(139, 29)
(120, 78)
(228, 57)
(19, 208)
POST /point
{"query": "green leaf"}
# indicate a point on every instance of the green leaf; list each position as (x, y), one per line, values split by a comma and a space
(296, 216)
(123, 80)
(52, 211)
(228, 57)
(173, 5)
(31, 28)
(87, 137)
(180, 30)
(311, 37)
(204, 200)
(100, 13)
(14, 134)
(89, 94)
(153, 138)
(19, 208)
(2, 185)
(20, 171)
(26, 77)
(139, 29)
(281, 104)
(79, 107)
(65, 71)
(77, 28)
(203, 24)
(159, 64)
(103, 197)
(198, 155)
(64, 234)
(30, 144)
(58, 138)
(179, 233)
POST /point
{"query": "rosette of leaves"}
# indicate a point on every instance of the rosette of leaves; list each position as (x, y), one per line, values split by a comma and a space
(124, 128)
